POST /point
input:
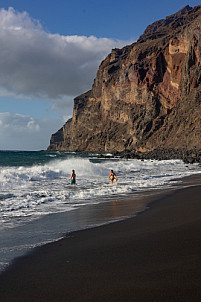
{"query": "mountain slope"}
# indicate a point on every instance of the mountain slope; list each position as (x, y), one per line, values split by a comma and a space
(146, 96)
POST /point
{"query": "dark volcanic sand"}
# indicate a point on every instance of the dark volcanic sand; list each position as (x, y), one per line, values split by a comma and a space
(155, 256)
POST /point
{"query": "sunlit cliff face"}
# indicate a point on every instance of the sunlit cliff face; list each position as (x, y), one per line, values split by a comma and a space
(144, 95)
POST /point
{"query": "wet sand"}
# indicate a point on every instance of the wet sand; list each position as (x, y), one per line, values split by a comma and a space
(152, 257)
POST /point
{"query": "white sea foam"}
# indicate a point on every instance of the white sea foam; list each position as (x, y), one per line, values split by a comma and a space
(29, 192)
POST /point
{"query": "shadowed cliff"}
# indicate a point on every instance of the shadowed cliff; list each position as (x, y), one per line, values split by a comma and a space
(146, 96)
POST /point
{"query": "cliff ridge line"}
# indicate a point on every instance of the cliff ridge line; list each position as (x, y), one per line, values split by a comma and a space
(146, 96)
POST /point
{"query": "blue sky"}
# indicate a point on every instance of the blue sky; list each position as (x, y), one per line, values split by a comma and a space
(50, 52)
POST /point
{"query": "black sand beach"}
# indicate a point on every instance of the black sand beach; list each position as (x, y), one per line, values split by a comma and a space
(155, 256)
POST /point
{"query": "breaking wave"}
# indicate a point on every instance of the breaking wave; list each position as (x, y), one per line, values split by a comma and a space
(43, 188)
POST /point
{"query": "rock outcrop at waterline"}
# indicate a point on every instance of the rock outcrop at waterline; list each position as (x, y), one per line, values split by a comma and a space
(146, 96)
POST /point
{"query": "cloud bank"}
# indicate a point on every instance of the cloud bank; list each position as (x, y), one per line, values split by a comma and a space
(22, 132)
(35, 63)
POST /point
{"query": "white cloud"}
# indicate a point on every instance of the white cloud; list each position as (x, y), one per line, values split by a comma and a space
(34, 63)
(23, 132)
(17, 123)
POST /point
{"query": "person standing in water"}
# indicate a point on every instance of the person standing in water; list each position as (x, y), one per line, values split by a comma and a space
(73, 178)
(112, 176)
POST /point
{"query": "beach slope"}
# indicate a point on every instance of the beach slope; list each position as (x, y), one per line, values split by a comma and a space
(152, 257)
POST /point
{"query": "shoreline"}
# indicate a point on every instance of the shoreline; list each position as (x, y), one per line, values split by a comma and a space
(23, 239)
(186, 155)
(153, 256)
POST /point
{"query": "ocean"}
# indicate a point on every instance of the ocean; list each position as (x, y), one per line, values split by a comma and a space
(38, 205)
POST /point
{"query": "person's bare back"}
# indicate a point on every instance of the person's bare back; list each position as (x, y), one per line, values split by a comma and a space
(73, 177)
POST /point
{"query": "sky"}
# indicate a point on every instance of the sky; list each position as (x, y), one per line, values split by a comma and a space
(50, 51)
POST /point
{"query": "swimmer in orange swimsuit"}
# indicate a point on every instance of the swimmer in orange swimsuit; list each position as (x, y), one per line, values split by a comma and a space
(112, 176)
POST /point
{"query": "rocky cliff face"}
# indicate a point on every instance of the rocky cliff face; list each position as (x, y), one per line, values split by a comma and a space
(145, 96)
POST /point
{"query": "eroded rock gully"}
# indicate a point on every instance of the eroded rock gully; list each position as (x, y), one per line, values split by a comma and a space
(145, 97)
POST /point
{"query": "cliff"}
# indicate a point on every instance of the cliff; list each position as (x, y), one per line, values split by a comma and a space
(146, 96)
